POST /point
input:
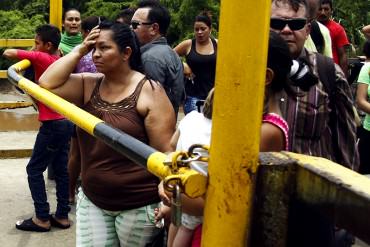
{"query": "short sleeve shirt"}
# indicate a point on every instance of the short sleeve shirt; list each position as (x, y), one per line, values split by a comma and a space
(338, 38)
(40, 62)
(363, 77)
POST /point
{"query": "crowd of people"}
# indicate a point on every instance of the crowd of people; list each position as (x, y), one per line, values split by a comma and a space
(125, 73)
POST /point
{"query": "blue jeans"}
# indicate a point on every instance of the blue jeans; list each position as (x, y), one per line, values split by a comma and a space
(190, 104)
(51, 146)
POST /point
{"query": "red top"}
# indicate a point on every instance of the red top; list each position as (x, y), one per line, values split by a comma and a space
(40, 62)
(338, 38)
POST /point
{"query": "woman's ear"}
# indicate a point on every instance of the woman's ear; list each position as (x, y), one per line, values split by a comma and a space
(269, 76)
(126, 53)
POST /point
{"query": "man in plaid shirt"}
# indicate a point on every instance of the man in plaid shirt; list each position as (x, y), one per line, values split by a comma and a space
(321, 119)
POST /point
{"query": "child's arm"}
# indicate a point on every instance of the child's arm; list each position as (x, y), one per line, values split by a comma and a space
(11, 54)
(272, 138)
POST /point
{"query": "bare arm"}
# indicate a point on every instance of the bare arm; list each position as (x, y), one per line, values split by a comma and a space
(272, 138)
(59, 79)
(174, 139)
(159, 116)
(361, 97)
(366, 31)
(343, 61)
(10, 53)
(183, 48)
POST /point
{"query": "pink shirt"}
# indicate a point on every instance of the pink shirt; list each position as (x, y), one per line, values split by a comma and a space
(278, 121)
(338, 38)
(40, 62)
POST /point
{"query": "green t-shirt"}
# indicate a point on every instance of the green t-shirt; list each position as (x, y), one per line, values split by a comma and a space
(364, 77)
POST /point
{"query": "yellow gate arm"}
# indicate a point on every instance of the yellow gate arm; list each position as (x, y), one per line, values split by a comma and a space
(240, 77)
(193, 183)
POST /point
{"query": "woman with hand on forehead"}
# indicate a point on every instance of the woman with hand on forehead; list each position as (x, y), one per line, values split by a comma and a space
(200, 67)
(116, 203)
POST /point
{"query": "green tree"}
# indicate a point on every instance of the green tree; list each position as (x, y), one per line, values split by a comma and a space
(352, 15)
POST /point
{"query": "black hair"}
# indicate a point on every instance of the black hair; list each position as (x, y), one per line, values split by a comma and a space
(295, 4)
(317, 37)
(366, 49)
(330, 2)
(157, 14)
(124, 37)
(49, 33)
(204, 17)
(67, 10)
(280, 61)
(90, 22)
(126, 15)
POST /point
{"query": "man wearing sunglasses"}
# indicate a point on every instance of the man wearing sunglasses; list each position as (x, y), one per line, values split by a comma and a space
(150, 23)
(308, 115)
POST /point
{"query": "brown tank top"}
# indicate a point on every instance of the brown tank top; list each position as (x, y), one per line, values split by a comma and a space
(110, 180)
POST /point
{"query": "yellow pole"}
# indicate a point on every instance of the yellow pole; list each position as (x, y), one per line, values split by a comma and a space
(238, 100)
(56, 8)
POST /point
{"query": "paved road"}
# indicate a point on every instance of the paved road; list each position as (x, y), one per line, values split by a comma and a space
(16, 203)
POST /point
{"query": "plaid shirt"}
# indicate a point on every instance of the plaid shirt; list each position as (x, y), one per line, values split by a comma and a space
(308, 120)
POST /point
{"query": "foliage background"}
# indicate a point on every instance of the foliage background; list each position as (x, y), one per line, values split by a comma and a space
(18, 18)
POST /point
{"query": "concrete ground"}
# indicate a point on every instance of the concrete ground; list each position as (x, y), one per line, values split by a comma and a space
(16, 203)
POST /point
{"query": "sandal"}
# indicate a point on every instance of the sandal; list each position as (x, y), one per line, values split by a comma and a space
(29, 225)
(57, 224)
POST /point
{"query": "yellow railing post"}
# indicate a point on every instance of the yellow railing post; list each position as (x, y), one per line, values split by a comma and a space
(56, 8)
(240, 77)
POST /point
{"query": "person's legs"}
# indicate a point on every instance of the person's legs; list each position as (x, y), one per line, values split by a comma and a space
(62, 130)
(172, 231)
(183, 238)
(41, 156)
(136, 227)
(95, 227)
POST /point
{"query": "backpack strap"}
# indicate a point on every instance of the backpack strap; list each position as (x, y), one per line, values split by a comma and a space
(326, 71)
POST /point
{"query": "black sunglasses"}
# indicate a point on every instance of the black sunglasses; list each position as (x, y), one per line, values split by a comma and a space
(294, 24)
(135, 24)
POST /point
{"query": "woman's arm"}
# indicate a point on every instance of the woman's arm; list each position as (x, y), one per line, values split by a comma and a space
(361, 97)
(183, 48)
(58, 77)
(159, 116)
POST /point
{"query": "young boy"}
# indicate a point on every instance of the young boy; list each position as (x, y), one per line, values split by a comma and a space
(52, 142)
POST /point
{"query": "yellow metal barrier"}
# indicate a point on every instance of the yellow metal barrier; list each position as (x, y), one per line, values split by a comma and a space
(14, 43)
(193, 183)
(240, 77)
(55, 18)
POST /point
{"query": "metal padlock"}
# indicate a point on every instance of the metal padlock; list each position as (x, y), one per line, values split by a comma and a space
(176, 205)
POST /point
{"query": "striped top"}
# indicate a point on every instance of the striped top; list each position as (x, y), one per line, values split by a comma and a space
(308, 117)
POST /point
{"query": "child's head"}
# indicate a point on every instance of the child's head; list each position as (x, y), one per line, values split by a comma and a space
(47, 38)
(208, 105)
(279, 63)
(89, 23)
